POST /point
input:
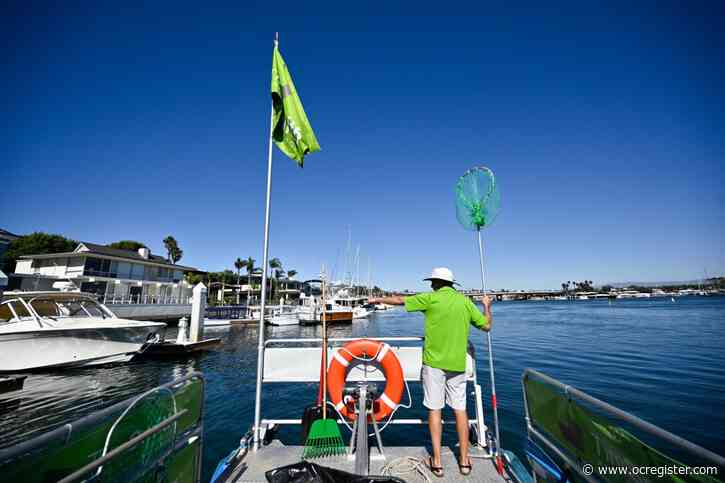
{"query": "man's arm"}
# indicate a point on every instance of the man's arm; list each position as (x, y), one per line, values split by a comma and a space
(392, 300)
(486, 301)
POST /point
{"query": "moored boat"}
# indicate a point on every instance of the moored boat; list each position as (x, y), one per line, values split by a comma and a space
(57, 329)
(310, 311)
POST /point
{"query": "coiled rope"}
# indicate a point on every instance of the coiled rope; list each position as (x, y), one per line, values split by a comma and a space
(407, 465)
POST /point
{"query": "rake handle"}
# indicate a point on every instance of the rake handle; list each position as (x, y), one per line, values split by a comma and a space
(324, 352)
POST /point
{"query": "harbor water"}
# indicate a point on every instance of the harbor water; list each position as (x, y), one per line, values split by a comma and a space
(661, 360)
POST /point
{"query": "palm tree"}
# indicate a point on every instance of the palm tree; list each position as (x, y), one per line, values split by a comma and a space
(174, 253)
(249, 263)
(291, 273)
(239, 264)
(276, 267)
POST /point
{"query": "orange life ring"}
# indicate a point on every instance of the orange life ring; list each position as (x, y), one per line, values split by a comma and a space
(378, 353)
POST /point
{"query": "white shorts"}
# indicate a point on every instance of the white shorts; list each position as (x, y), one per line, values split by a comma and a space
(441, 386)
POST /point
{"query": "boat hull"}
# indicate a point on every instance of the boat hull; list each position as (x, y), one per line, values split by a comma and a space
(48, 348)
(332, 317)
(285, 319)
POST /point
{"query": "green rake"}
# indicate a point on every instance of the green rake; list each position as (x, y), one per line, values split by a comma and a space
(324, 438)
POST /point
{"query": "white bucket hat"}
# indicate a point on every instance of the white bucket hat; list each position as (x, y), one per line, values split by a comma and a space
(441, 273)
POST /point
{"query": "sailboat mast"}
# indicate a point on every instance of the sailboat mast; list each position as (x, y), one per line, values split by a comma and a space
(357, 266)
(347, 256)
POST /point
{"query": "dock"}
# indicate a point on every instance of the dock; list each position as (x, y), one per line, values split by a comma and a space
(11, 383)
(175, 349)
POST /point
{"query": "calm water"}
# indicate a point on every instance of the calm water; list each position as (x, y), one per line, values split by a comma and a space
(660, 360)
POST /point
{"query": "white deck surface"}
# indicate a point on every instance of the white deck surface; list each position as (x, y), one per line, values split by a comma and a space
(276, 454)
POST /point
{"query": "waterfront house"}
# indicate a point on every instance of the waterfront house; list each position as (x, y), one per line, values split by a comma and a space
(120, 278)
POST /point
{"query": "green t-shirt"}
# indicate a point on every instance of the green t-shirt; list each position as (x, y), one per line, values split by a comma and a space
(448, 315)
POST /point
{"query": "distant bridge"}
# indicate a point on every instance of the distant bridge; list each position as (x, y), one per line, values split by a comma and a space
(529, 294)
(518, 295)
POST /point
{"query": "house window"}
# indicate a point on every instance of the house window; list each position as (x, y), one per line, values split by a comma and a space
(137, 271)
(98, 266)
(124, 270)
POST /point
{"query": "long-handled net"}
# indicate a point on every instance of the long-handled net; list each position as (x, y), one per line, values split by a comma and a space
(477, 198)
(477, 204)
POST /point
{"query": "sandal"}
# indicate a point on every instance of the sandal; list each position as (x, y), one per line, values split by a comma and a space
(465, 469)
(436, 470)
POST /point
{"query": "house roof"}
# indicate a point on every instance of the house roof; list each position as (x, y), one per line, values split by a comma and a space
(4, 234)
(94, 249)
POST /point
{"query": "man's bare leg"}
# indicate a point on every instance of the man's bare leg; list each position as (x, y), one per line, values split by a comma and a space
(436, 429)
(462, 428)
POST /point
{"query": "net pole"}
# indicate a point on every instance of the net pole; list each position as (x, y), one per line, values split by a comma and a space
(499, 462)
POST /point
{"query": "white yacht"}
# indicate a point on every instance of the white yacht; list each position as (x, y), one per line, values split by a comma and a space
(284, 315)
(310, 311)
(54, 329)
(343, 298)
(632, 294)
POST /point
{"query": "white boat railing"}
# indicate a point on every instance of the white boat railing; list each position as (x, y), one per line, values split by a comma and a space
(297, 360)
(143, 300)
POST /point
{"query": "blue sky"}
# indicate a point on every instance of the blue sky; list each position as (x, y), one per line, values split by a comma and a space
(604, 126)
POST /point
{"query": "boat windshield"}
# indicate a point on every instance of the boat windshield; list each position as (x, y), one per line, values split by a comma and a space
(70, 307)
(13, 311)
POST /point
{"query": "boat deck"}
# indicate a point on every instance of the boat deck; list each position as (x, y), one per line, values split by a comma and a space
(276, 454)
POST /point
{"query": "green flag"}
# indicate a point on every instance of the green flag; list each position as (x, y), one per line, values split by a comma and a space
(291, 131)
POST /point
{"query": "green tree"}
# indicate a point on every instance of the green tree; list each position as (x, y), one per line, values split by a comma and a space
(291, 273)
(194, 278)
(37, 243)
(131, 245)
(173, 252)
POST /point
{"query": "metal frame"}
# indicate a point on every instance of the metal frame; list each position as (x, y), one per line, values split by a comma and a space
(607, 408)
(65, 432)
(27, 302)
(478, 421)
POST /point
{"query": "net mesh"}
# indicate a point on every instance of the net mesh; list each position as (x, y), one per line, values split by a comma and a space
(477, 198)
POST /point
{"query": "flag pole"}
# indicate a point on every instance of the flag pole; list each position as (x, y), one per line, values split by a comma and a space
(260, 346)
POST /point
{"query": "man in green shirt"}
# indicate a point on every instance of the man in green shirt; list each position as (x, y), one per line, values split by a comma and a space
(448, 317)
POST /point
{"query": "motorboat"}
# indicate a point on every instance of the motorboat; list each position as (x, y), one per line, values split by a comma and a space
(284, 315)
(343, 298)
(57, 329)
(632, 294)
(310, 311)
